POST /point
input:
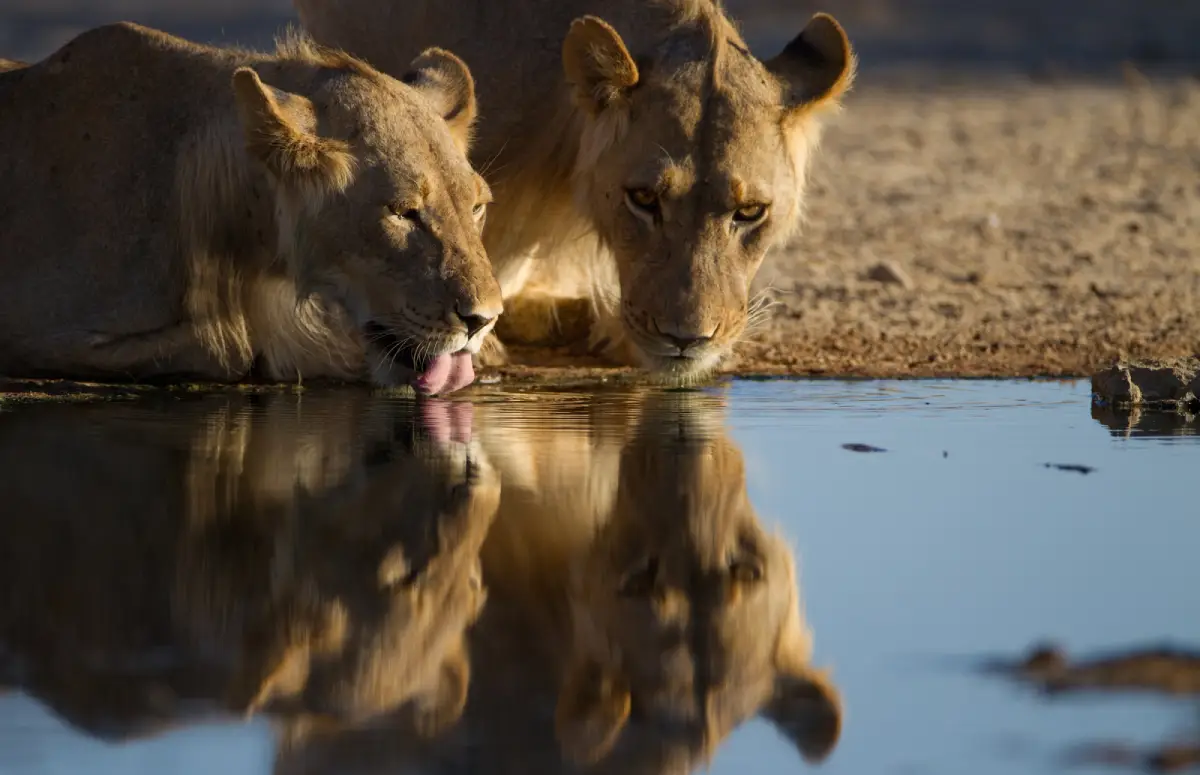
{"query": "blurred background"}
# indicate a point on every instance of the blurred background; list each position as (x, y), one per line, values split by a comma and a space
(1073, 34)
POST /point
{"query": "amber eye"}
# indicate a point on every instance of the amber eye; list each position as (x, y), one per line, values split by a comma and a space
(478, 209)
(750, 213)
(643, 199)
(745, 571)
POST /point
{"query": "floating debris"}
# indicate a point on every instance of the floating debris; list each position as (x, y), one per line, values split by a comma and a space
(863, 448)
(1072, 467)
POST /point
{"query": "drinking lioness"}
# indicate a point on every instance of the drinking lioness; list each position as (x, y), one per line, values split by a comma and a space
(176, 211)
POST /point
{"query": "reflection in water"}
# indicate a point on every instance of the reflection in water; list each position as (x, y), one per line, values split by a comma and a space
(638, 611)
(315, 558)
(1135, 421)
(323, 560)
(1168, 671)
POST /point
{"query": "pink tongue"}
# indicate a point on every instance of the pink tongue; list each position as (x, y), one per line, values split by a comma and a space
(445, 374)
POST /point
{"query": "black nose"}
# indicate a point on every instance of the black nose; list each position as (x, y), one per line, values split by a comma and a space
(474, 322)
(686, 342)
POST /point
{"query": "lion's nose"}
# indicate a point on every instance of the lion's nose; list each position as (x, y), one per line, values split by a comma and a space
(474, 320)
(681, 339)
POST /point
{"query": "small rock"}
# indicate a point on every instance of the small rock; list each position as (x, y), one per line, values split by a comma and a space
(1167, 382)
(889, 273)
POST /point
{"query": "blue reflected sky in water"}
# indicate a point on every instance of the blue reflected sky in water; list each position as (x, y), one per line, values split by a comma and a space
(909, 558)
(34, 742)
(911, 564)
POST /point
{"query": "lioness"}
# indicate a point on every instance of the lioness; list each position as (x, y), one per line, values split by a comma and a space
(317, 560)
(641, 157)
(171, 210)
(638, 611)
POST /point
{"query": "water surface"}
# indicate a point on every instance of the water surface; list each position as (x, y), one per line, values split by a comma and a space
(989, 517)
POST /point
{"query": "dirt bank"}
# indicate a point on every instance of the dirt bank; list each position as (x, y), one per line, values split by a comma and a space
(1024, 228)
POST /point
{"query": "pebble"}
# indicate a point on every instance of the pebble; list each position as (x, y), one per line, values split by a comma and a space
(889, 273)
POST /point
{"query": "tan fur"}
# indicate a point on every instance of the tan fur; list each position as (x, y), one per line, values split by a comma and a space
(584, 100)
(175, 210)
(314, 558)
(11, 64)
(638, 610)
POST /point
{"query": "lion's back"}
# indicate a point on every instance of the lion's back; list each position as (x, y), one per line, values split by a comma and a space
(87, 146)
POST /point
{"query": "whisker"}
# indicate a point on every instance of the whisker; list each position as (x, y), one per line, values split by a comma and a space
(486, 167)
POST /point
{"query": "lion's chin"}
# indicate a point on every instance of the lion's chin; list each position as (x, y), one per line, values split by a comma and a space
(680, 371)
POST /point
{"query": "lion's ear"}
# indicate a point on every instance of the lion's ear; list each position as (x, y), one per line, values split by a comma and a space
(280, 130)
(593, 706)
(443, 706)
(272, 671)
(445, 81)
(817, 67)
(807, 708)
(597, 65)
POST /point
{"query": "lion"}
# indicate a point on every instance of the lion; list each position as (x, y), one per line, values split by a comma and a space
(643, 161)
(629, 636)
(314, 559)
(176, 211)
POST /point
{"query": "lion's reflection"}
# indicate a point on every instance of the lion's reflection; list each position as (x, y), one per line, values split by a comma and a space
(638, 610)
(315, 557)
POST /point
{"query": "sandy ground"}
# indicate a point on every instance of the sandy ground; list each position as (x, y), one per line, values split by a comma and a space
(1034, 228)
(960, 223)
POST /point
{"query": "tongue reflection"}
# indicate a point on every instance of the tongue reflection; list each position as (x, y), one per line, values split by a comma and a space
(445, 374)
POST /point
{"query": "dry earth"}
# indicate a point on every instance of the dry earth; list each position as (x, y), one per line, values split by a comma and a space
(973, 212)
(1007, 228)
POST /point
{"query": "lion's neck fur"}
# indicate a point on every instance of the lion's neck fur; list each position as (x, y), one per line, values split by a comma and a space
(234, 233)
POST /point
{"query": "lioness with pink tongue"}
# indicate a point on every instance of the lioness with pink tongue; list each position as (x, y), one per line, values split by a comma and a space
(292, 215)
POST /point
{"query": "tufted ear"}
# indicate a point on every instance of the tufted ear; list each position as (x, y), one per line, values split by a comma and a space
(593, 706)
(597, 65)
(445, 81)
(280, 130)
(442, 706)
(817, 67)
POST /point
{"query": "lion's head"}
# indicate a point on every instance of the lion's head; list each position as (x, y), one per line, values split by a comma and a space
(687, 612)
(378, 208)
(692, 163)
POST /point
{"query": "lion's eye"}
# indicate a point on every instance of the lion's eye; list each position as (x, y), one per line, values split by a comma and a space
(745, 571)
(640, 580)
(406, 213)
(750, 213)
(478, 209)
(643, 199)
